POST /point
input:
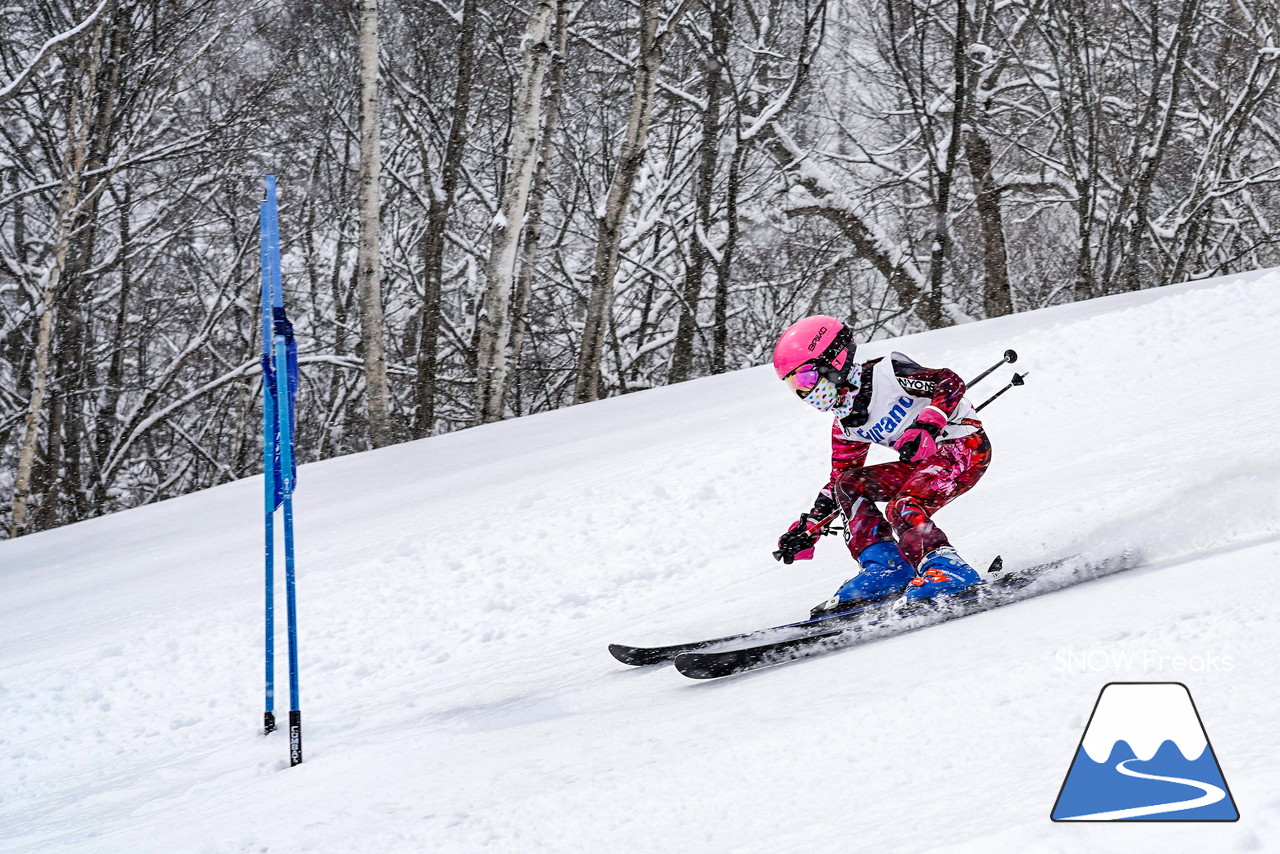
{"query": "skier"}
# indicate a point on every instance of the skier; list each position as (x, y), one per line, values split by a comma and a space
(919, 412)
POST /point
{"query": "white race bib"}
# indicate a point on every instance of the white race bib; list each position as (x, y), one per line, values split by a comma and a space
(892, 410)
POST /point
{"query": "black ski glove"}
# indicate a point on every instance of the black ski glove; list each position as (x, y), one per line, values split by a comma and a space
(797, 543)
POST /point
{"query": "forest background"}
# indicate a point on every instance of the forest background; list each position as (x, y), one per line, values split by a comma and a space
(497, 207)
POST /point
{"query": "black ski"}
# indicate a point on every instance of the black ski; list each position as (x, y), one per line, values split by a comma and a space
(885, 622)
(712, 665)
(640, 656)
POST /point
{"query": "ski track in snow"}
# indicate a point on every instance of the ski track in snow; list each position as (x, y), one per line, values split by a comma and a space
(457, 595)
(1210, 794)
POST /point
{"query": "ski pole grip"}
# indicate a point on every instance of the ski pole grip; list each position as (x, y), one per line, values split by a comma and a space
(1010, 356)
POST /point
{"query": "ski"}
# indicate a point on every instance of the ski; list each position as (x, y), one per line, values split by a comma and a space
(713, 664)
(641, 656)
(882, 623)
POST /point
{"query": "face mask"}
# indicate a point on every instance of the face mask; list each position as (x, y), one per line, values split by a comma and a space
(825, 397)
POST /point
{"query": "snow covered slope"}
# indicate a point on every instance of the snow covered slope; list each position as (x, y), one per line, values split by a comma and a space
(457, 596)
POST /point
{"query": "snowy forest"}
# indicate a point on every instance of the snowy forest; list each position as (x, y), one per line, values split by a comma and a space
(491, 208)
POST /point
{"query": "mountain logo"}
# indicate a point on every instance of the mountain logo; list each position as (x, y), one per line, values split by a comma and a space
(1145, 756)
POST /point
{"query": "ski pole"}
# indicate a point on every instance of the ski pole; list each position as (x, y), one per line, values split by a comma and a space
(815, 529)
(1018, 379)
(1010, 356)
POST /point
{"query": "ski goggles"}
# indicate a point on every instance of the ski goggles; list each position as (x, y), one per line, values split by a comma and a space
(803, 379)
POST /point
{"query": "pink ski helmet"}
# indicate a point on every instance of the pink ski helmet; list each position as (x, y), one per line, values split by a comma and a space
(817, 347)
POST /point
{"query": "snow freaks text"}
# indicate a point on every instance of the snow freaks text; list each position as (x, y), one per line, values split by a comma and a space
(1149, 660)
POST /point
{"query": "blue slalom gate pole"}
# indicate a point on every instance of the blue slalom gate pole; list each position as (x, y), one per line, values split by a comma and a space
(268, 246)
(286, 470)
(279, 383)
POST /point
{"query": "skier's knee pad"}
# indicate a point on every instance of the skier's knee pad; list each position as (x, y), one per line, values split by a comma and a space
(906, 512)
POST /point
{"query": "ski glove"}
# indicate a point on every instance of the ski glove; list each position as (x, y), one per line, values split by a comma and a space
(920, 441)
(797, 543)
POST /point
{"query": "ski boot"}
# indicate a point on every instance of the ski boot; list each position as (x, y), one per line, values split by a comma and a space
(885, 572)
(942, 574)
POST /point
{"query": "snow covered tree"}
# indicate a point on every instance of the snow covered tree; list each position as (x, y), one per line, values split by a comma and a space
(695, 175)
(652, 44)
(494, 322)
(368, 261)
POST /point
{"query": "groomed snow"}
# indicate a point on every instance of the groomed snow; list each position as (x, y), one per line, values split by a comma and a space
(457, 596)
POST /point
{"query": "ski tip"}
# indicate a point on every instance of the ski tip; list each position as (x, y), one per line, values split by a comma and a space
(700, 666)
(996, 566)
(625, 654)
(637, 656)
